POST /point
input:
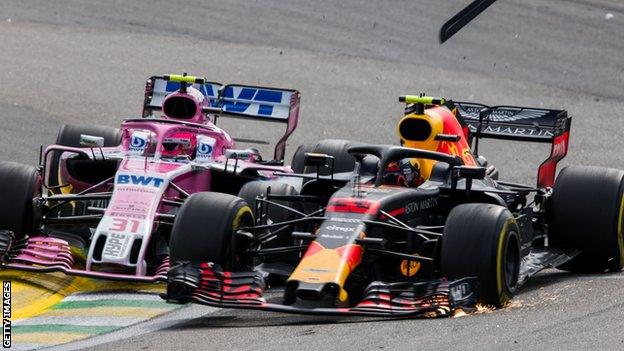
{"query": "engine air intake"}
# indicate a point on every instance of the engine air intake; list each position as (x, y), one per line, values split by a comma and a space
(415, 129)
(180, 107)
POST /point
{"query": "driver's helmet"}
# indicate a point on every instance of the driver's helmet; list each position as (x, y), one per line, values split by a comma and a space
(179, 145)
(402, 173)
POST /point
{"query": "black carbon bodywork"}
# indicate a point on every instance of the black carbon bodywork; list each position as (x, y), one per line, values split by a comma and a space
(384, 239)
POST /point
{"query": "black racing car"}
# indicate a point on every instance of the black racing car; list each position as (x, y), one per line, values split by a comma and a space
(381, 241)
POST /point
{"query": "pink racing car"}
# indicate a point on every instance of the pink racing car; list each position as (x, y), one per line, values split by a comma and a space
(103, 202)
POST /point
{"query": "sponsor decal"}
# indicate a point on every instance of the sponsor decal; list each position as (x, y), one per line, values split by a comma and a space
(506, 130)
(460, 291)
(91, 140)
(333, 236)
(559, 147)
(6, 314)
(377, 190)
(116, 244)
(350, 205)
(254, 101)
(130, 208)
(340, 229)
(409, 268)
(205, 147)
(185, 142)
(139, 180)
(345, 220)
(317, 270)
(138, 143)
(421, 205)
(127, 215)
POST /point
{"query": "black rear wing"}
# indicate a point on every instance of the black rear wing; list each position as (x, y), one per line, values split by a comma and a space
(233, 100)
(519, 124)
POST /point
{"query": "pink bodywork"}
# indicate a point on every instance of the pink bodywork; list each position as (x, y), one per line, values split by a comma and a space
(140, 186)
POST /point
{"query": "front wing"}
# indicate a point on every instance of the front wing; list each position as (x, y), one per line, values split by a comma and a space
(207, 284)
(47, 254)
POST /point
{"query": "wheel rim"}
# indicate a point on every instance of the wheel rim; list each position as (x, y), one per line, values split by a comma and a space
(237, 259)
(511, 262)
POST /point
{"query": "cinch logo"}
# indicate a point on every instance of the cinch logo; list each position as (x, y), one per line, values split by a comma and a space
(139, 180)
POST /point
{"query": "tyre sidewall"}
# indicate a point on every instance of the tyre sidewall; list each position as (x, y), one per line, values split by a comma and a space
(586, 214)
(474, 243)
(20, 185)
(203, 230)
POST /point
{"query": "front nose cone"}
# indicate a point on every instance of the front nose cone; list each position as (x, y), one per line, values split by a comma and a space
(332, 293)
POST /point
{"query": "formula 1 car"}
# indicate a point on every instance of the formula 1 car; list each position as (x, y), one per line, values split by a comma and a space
(103, 201)
(383, 242)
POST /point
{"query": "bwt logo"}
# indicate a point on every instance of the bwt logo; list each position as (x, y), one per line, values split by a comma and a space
(137, 143)
(251, 95)
(204, 149)
(139, 180)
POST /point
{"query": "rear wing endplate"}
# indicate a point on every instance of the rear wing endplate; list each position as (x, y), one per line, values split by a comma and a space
(237, 101)
(519, 124)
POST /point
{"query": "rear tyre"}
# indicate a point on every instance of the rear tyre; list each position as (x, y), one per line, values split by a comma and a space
(19, 185)
(69, 135)
(586, 213)
(481, 240)
(250, 191)
(343, 161)
(298, 161)
(203, 230)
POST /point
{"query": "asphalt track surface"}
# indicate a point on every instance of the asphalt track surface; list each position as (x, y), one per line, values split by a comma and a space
(86, 61)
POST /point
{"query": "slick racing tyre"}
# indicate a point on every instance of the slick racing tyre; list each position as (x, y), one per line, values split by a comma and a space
(203, 230)
(69, 135)
(343, 161)
(481, 240)
(250, 191)
(19, 184)
(586, 214)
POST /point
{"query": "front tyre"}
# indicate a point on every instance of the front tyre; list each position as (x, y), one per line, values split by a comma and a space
(204, 230)
(19, 185)
(482, 241)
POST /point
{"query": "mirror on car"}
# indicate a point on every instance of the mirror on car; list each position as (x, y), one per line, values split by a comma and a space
(318, 160)
(91, 140)
(469, 172)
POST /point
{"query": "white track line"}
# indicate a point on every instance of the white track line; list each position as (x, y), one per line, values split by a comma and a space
(95, 296)
(80, 321)
(24, 347)
(161, 322)
(572, 277)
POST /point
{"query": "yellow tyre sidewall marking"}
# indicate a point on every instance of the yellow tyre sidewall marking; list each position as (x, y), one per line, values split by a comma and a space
(238, 218)
(619, 232)
(499, 260)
